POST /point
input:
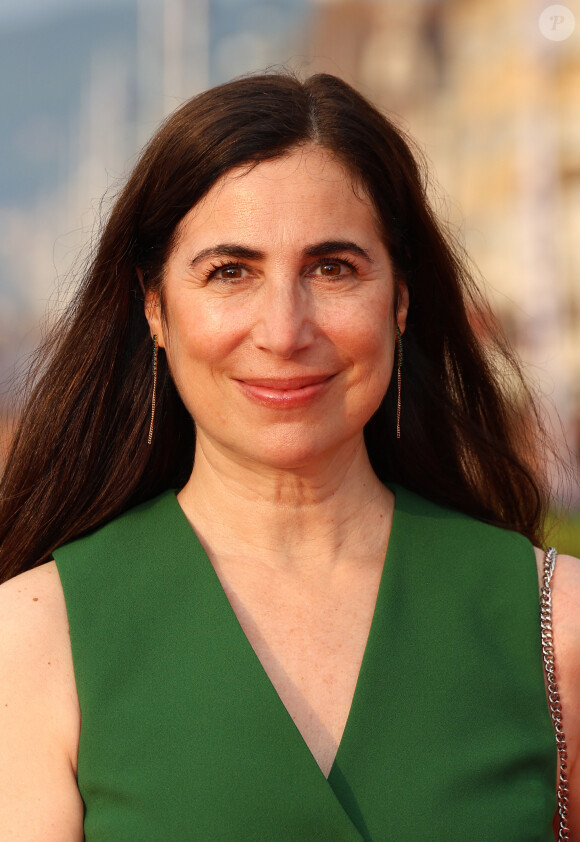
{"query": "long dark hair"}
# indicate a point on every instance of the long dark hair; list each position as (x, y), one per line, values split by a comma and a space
(80, 454)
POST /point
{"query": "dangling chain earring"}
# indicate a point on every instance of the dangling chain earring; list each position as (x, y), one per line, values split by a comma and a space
(399, 367)
(154, 395)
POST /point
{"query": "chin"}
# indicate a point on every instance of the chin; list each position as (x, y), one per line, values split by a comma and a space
(290, 454)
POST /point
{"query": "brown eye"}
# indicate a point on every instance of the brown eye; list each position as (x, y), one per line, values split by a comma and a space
(231, 273)
(228, 272)
(330, 269)
(340, 269)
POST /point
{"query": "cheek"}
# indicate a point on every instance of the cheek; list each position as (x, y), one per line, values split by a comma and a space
(373, 343)
(370, 346)
(366, 333)
(202, 334)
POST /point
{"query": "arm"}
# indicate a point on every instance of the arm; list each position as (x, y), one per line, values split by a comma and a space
(39, 713)
(566, 629)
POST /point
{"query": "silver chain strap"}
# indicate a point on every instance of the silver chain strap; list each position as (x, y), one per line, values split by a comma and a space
(553, 693)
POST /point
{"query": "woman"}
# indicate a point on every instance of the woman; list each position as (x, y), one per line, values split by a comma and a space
(275, 328)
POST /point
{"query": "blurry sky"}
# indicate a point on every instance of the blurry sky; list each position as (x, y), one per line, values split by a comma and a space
(49, 49)
(23, 11)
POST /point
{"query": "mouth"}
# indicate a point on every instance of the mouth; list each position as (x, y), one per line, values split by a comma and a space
(286, 392)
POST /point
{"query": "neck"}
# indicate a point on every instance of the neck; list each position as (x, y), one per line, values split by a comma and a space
(313, 516)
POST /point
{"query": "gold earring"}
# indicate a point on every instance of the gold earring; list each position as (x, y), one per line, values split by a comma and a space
(399, 367)
(154, 395)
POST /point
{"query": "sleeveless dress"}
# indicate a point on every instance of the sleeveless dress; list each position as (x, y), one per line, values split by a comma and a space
(183, 736)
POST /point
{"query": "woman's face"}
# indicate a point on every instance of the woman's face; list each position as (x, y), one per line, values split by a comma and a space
(278, 312)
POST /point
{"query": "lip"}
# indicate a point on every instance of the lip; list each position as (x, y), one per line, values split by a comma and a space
(286, 392)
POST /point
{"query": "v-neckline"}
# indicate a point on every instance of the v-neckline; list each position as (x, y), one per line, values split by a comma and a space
(350, 723)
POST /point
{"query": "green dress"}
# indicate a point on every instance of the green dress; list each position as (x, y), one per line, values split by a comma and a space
(183, 736)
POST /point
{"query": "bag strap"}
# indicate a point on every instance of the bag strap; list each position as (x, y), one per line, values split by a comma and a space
(553, 693)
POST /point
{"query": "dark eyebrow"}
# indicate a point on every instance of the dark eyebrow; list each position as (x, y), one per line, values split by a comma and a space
(244, 253)
(227, 250)
(336, 246)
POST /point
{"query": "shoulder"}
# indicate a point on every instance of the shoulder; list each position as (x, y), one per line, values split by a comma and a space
(566, 630)
(18, 591)
(566, 626)
(36, 670)
(566, 604)
(39, 713)
(472, 554)
(143, 525)
(35, 647)
(31, 605)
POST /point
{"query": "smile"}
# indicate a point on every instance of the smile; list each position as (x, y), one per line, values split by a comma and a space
(285, 393)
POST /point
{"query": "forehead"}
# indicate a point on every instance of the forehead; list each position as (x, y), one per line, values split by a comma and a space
(305, 190)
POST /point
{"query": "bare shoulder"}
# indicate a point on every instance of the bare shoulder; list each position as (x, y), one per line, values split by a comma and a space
(566, 629)
(35, 642)
(31, 599)
(39, 712)
(566, 603)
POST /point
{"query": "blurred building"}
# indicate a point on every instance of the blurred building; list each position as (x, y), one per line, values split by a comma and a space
(495, 106)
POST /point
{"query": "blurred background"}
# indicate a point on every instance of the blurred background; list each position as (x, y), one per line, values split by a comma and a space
(490, 90)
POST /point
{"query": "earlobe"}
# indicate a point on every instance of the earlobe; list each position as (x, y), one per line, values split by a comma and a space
(402, 305)
(151, 306)
(152, 309)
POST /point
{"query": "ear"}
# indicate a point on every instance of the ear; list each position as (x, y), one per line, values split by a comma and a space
(402, 304)
(153, 312)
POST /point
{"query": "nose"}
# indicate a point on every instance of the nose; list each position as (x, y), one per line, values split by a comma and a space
(284, 321)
